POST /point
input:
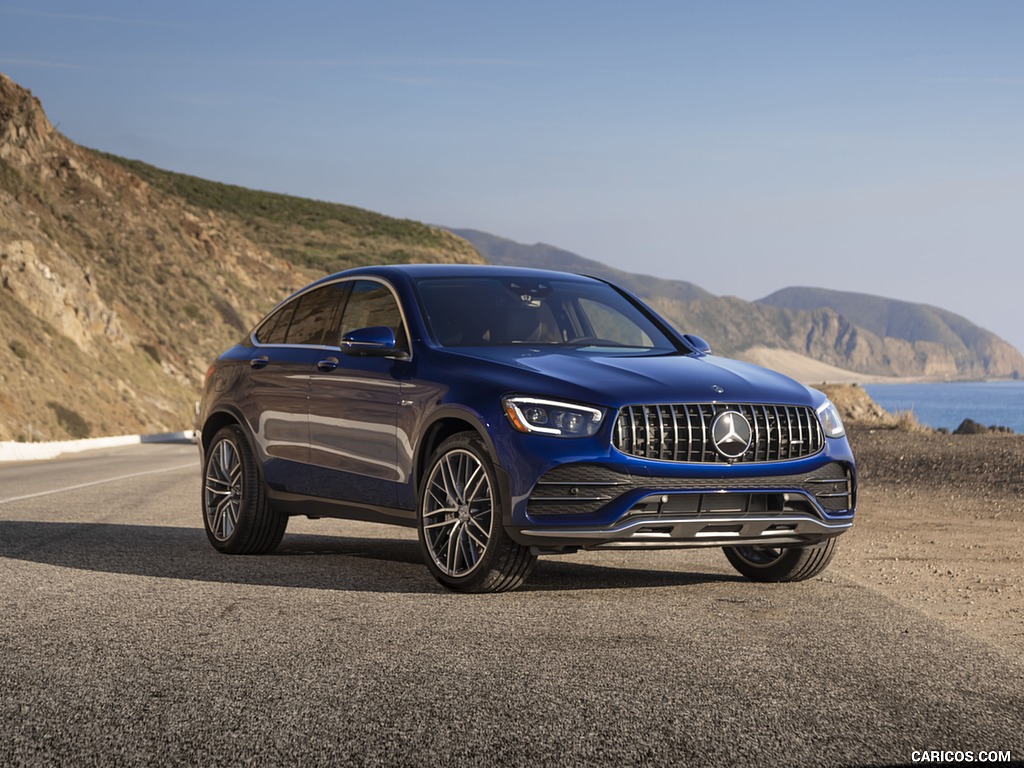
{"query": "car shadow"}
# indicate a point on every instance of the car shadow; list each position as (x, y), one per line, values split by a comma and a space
(302, 560)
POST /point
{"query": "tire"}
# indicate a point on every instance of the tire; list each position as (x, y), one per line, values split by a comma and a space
(459, 519)
(767, 563)
(236, 513)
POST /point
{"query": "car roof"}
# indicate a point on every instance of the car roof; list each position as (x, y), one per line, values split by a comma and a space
(458, 270)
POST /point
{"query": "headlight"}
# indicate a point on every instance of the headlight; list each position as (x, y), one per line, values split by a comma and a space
(552, 417)
(828, 415)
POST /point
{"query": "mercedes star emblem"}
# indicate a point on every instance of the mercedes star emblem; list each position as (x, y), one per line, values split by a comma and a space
(731, 434)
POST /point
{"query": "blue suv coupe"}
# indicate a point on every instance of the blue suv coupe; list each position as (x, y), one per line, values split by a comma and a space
(510, 413)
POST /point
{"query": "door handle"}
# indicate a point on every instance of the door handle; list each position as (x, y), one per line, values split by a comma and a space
(259, 362)
(327, 364)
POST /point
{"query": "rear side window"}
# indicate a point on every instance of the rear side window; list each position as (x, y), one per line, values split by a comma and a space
(305, 320)
(274, 329)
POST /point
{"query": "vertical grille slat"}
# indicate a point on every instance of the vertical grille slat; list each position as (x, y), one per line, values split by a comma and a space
(689, 434)
(777, 454)
(681, 432)
(704, 430)
(663, 436)
(650, 435)
(675, 433)
(789, 434)
(763, 446)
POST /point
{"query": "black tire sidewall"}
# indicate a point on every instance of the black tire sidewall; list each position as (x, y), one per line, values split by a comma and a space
(252, 503)
(795, 563)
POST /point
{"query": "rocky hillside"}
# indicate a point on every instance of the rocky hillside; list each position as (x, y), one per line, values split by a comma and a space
(942, 340)
(118, 283)
(865, 334)
(321, 237)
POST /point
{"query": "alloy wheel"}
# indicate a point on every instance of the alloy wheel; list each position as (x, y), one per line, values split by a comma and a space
(223, 494)
(760, 557)
(458, 513)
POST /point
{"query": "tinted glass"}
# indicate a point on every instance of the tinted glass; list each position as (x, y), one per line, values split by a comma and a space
(607, 324)
(487, 311)
(315, 315)
(274, 329)
(372, 304)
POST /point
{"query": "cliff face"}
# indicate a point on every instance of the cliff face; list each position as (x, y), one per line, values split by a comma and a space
(734, 326)
(903, 338)
(113, 295)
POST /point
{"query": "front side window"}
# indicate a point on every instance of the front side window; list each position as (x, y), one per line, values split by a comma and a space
(372, 304)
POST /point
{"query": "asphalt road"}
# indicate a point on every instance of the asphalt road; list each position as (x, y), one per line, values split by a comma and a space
(125, 639)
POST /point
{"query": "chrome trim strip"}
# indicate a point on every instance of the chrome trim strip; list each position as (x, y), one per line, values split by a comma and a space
(582, 482)
(315, 286)
(688, 528)
(571, 499)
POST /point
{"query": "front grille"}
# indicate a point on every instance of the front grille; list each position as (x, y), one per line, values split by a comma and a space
(681, 432)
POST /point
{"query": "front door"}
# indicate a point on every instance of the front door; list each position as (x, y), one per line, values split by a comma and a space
(353, 408)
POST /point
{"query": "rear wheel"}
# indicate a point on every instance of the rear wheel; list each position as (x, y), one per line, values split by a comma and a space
(236, 513)
(768, 563)
(460, 521)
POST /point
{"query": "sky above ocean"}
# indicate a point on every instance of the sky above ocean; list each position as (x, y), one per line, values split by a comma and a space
(744, 146)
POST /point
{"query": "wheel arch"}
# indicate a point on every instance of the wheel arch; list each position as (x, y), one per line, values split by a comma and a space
(439, 430)
(451, 421)
(215, 422)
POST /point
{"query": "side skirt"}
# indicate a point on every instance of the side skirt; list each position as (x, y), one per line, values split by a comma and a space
(295, 505)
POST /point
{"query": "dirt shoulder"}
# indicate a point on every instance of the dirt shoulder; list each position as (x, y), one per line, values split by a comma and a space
(940, 528)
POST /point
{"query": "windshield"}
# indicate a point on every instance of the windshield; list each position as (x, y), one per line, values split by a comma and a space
(497, 311)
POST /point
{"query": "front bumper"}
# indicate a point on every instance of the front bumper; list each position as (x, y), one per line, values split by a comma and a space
(588, 506)
(683, 532)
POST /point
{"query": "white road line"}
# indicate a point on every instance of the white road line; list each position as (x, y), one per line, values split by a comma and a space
(192, 465)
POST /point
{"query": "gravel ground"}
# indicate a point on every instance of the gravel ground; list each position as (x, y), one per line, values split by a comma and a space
(125, 639)
(939, 528)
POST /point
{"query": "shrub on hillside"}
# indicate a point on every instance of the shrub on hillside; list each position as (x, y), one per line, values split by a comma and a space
(70, 421)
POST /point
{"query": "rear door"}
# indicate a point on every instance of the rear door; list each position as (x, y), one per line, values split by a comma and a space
(289, 344)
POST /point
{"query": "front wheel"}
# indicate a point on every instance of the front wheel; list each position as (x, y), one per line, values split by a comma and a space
(775, 563)
(459, 520)
(236, 513)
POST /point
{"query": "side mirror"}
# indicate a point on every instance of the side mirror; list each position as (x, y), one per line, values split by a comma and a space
(700, 346)
(375, 341)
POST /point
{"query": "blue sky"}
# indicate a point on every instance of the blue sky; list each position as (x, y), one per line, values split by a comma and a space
(745, 146)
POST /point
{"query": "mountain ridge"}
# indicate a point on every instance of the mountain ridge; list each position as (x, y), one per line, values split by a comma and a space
(542, 256)
(881, 315)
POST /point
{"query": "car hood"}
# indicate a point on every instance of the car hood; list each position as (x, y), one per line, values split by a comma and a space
(617, 380)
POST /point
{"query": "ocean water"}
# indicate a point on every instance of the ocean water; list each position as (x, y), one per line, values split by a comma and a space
(947, 404)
